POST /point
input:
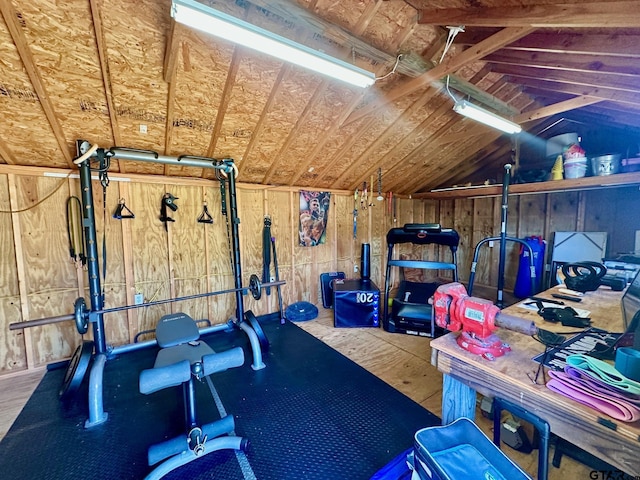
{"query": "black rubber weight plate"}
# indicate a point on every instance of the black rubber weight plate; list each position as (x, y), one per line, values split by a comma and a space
(76, 370)
(262, 337)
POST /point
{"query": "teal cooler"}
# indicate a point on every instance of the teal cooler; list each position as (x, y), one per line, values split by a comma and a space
(356, 303)
(461, 451)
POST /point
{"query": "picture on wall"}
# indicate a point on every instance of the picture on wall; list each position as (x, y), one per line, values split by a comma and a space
(314, 211)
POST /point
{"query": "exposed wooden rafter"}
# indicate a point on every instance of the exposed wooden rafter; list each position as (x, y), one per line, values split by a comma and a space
(448, 66)
(559, 15)
(11, 20)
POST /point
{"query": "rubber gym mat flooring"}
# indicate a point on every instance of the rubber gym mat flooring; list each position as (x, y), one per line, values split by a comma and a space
(310, 414)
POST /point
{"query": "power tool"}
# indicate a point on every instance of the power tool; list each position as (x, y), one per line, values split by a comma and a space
(477, 318)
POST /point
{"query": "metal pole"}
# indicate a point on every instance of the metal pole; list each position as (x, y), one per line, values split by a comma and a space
(503, 234)
(93, 270)
(235, 241)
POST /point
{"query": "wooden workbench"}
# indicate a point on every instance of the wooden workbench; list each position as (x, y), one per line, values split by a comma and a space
(508, 377)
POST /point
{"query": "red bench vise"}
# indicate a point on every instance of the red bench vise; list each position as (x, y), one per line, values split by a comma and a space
(477, 318)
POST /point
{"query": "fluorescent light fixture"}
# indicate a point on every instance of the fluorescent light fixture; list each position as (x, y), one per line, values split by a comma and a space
(484, 116)
(219, 24)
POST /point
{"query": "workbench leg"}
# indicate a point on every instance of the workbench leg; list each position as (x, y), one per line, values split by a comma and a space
(458, 400)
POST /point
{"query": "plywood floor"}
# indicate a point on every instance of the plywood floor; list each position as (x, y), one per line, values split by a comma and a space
(402, 361)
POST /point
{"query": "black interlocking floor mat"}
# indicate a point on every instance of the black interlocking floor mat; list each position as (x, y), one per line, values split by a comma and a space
(310, 414)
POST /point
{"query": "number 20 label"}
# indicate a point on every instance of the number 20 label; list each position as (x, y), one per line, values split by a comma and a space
(364, 297)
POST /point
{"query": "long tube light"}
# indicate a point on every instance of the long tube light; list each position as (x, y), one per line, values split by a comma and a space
(219, 24)
(484, 116)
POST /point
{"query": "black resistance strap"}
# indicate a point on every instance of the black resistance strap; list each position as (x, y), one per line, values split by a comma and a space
(266, 253)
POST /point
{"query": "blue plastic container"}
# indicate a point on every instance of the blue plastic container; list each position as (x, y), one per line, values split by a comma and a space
(461, 451)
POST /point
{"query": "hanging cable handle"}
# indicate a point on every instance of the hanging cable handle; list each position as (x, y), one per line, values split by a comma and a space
(122, 211)
(205, 216)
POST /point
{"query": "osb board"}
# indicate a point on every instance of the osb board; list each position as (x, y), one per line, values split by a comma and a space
(73, 82)
(135, 42)
(20, 106)
(150, 253)
(390, 22)
(50, 276)
(201, 72)
(253, 81)
(12, 351)
(354, 142)
(324, 114)
(290, 100)
(357, 144)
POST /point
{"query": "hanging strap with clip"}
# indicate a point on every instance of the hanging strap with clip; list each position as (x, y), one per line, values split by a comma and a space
(75, 232)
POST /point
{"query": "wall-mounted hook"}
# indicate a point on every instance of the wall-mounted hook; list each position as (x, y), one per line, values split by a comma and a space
(168, 201)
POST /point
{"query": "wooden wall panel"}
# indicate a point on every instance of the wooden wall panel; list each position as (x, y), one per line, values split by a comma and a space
(463, 223)
(344, 247)
(218, 260)
(150, 253)
(379, 229)
(114, 284)
(194, 258)
(615, 211)
(188, 260)
(512, 249)
(50, 279)
(483, 227)
(284, 231)
(532, 222)
(12, 348)
(251, 208)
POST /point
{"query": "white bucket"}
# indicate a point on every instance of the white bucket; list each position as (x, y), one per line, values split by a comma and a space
(576, 168)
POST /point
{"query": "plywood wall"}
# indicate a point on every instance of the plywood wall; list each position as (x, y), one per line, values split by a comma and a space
(38, 278)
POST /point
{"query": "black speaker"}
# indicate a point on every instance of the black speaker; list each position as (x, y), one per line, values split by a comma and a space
(365, 262)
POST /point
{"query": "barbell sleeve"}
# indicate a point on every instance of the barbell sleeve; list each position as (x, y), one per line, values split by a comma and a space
(40, 322)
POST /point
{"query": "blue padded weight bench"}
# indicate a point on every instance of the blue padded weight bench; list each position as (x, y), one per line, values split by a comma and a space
(183, 358)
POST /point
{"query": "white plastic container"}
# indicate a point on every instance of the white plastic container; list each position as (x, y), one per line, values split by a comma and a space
(575, 168)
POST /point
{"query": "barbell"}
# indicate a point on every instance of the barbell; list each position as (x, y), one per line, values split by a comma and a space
(82, 315)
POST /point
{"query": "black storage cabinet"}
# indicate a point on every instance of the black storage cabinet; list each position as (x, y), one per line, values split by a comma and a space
(356, 303)
(410, 311)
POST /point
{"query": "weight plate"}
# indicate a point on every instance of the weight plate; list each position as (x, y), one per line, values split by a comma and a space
(255, 287)
(80, 315)
(262, 337)
(76, 370)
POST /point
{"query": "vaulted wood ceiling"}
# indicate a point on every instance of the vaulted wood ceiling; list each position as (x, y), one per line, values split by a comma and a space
(122, 73)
